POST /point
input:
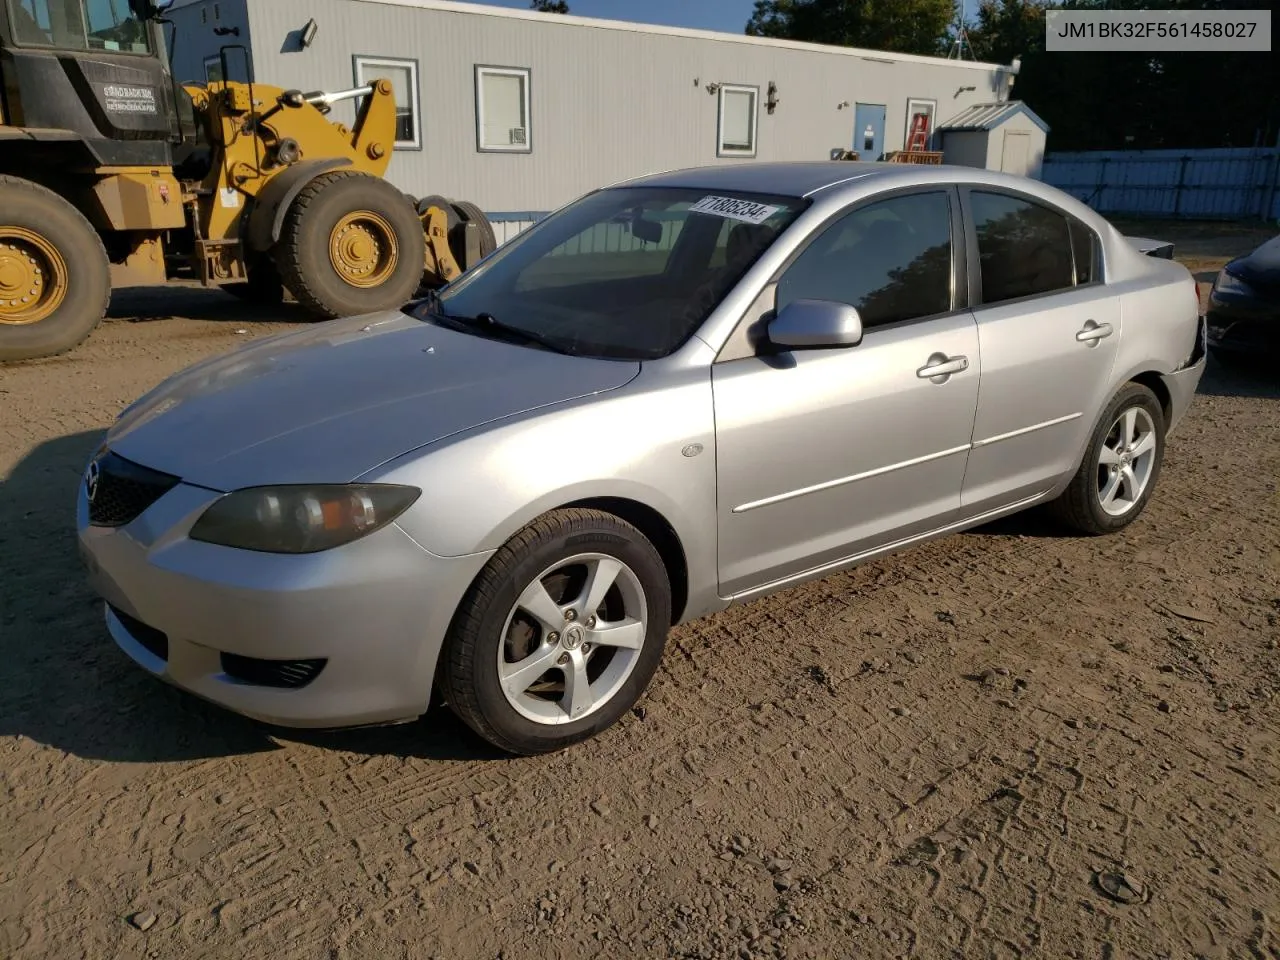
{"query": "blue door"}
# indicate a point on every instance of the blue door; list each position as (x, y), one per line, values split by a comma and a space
(868, 130)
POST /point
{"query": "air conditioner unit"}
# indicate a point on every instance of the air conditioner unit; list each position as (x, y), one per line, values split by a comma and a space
(518, 135)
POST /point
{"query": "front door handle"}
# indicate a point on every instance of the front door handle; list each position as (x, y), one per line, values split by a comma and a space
(942, 366)
(1093, 332)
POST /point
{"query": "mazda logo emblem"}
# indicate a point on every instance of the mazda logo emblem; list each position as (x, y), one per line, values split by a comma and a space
(91, 477)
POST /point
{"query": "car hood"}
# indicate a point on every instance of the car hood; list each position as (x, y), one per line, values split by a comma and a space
(1261, 268)
(333, 401)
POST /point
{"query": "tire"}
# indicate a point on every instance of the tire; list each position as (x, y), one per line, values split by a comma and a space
(264, 286)
(491, 622)
(308, 267)
(38, 226)
(1082, 506)
(435, 200)
(470, 213)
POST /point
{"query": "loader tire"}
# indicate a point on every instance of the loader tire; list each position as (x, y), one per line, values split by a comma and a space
(435, 200)
(53, 259)
(470, 213)
(351, 245)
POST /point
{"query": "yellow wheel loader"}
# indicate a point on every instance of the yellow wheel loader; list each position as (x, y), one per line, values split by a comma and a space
(112, 175)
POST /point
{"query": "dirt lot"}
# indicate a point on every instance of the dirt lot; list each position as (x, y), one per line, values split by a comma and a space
(932, 755)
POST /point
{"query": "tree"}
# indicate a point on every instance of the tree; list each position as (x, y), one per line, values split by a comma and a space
(902, 26)
(1132, 99)
(549, 6)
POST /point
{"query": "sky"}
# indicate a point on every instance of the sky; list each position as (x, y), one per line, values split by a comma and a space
(728, 16)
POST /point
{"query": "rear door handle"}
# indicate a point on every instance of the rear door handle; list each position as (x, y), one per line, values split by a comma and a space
(1093, 332)
(940, 365)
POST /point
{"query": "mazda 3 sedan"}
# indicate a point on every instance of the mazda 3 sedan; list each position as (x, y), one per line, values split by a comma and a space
(675, 394)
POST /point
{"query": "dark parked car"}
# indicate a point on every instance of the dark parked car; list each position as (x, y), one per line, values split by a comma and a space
(1244, 307)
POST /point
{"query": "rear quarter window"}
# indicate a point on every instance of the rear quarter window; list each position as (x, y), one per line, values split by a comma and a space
(1085, 252)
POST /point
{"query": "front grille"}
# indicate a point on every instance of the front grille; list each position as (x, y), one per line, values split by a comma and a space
(154, 640)
(119, 490)
(288, 674)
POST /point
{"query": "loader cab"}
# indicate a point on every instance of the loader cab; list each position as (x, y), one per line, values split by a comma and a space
(94, 72)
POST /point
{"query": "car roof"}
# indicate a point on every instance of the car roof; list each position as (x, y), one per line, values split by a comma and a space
(800, 178)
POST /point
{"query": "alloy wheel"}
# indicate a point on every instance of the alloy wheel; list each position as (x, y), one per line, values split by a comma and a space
(572, 639)
(1126, 461)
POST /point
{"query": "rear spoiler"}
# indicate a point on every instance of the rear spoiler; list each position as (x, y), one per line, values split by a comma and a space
(1152, 248)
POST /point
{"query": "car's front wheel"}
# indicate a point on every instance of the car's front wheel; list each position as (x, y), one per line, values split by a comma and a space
(560, 634)
(1121, 467)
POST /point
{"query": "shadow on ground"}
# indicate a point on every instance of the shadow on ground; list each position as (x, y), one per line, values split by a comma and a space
(63, 683)
(1242, 376)
(145, 304)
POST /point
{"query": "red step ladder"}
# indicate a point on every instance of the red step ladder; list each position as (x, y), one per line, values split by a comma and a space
(918, 139)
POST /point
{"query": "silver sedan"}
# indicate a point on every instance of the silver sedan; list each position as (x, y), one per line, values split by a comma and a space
(672, 395)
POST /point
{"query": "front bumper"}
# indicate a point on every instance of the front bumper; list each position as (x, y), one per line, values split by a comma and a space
(1244, 326)
(373, 613)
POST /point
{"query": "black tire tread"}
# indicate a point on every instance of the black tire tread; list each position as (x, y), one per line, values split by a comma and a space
(288, 253)
(457, 675)
(470, 213)
(98, 304)
(1074, 506)
(443, 204)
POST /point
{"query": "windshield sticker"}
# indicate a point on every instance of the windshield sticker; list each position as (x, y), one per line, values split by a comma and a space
(745, 210)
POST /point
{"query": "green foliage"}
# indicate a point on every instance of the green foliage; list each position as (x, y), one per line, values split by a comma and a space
(1133, 100)
(549, 6)
(901, 26)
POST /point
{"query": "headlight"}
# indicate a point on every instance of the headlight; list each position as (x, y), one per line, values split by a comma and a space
(301, 519)
(1231, 285)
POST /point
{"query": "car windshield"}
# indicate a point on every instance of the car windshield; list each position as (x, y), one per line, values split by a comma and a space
(626, 272)
(78, 25)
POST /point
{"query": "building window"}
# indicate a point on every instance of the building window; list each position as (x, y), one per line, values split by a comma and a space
(212, 69)
(737, 126)
(403, 75)
(502, 110)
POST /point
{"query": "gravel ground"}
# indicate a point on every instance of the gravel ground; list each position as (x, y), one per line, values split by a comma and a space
(1011, 742)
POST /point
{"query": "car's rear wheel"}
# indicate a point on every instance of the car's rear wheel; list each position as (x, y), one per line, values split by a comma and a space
(560, 634)
(1120, 470)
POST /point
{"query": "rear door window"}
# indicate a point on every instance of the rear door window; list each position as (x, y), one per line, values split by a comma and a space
(1024, 248)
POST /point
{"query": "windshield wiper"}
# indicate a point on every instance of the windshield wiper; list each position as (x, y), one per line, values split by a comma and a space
(485, 324)
(488, 322)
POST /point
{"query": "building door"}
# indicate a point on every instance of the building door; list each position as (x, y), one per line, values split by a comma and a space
(868, 130)
(1017, 150)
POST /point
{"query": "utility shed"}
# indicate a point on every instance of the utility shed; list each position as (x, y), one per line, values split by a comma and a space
(996, 136)
(521, 112)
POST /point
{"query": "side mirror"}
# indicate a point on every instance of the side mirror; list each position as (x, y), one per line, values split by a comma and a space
(816, 323)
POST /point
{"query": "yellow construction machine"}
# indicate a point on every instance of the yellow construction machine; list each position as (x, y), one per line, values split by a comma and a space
(112, 175)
